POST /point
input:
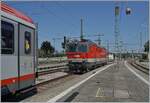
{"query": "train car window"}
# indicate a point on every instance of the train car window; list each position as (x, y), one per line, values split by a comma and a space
(7, 38)
(27, 42)
(82, 48)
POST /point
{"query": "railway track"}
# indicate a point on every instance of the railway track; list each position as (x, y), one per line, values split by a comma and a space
(51, 80)
(48, 70)
(44, 70)
(44, 85)
(140, 67)
(52, 70)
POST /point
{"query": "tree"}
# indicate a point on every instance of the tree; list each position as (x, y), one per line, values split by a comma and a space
(47, 48)
(146, 46)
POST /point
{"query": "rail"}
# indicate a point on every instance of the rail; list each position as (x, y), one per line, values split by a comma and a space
(140, 67)
(47, 66)
(48, 69)
(52, 70)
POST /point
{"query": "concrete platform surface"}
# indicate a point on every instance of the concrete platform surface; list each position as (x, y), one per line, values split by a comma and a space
(115, 84)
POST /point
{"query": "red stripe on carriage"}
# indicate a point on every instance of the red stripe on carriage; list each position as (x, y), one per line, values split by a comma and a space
(16, 79)
(12, 11)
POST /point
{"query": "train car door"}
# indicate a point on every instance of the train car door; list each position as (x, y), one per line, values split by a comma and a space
(26, 58)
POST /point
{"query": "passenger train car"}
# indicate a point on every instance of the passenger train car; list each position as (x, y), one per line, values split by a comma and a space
(85, 55)
(18, 51)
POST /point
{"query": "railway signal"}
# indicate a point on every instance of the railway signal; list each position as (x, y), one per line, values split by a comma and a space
(81, 37)
(64, 43)
(64, 39)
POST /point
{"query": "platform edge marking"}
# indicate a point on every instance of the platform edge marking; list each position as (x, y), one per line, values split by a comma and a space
(136, 74)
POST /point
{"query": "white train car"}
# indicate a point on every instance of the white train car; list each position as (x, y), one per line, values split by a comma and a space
(18, 51)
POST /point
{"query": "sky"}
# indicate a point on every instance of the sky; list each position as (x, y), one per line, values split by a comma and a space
(57, 19)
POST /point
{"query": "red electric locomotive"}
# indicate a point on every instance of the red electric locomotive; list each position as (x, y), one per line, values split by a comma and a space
(85, 55)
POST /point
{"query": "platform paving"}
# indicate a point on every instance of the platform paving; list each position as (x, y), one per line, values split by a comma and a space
(56, 87)
(115, 84)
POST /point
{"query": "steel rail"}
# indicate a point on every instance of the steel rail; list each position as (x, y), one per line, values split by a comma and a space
(140, 67)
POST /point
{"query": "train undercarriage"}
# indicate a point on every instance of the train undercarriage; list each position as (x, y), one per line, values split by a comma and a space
(82, 67)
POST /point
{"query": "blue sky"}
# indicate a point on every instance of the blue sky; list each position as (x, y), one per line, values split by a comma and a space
(59, 18)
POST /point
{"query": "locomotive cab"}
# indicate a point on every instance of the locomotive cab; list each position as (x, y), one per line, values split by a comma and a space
(77, 56)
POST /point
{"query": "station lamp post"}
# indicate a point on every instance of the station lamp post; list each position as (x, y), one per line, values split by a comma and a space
(117, 29)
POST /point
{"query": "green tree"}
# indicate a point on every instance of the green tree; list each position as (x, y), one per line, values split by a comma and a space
(47, 48)
(146, 46)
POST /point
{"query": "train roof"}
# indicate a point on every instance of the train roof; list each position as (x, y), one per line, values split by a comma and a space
(88, 41)
(13, 12)
(91, 42)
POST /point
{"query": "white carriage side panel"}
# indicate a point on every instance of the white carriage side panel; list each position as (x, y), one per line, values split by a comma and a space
(9, 63)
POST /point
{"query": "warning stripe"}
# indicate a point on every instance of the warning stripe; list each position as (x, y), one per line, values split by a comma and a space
(16, 79)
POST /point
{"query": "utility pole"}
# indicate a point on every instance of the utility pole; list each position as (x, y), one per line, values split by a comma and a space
(140, 49)
(121, 49)
(108, 46)
(81, 34)
(132, 55)
(54, 44)
(141, 45)
(117, 31)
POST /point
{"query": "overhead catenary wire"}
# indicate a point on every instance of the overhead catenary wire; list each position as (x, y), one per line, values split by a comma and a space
(67, 10)
(50, 12)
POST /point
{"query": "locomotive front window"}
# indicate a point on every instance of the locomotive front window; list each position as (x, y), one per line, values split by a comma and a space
(7, 38)
(82, 48)
(27, 42)
(71, 48)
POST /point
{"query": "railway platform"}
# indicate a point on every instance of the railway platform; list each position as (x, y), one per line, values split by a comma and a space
(115, 84)
(111, 83)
